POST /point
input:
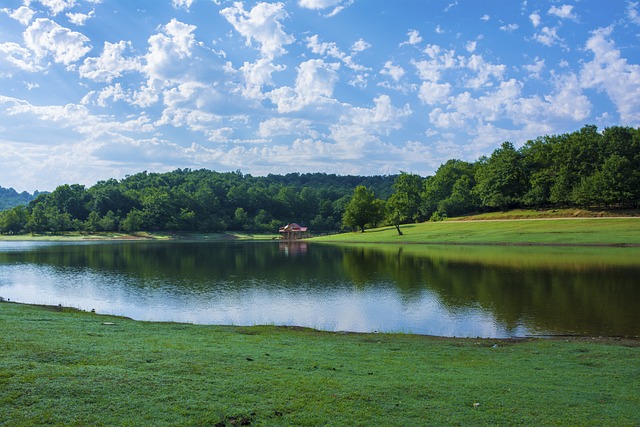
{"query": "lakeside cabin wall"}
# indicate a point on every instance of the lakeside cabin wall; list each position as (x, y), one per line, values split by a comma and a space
(294, 231)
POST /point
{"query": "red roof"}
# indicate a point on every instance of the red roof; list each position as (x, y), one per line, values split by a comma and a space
(293, 227)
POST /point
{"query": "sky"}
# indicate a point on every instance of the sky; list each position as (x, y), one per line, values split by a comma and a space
(98, 89)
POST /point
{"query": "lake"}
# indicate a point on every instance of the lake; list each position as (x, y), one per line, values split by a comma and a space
(463, 291)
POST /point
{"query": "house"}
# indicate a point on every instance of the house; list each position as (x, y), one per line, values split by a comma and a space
(294, 231)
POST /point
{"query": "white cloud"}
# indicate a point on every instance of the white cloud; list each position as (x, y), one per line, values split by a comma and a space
(414, 38)
(484, 71)
(611, 73)
(168, 51)
(111, 63)
(262, 25)
(279, 126)
(433, 93)
(632, 12)
(441, 60)
(314, 85)
(324, 4)
(394, 71)
(331, 50)
(535, 19)
(565, 12)
(256, 75)
(548, 36)
(361, 127)
(45, 37)
(471, 46)
(318, 4)
(57, 6)
(23, 14)
(181, 4)
(20, 57)
(535, 68)
(80, 19)
(509, 28)
(360, 45)
(485, 18)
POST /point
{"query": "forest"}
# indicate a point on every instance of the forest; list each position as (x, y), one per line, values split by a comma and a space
(586, 168)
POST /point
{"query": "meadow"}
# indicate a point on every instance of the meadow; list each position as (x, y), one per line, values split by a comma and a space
(61, 366)
(539, 231)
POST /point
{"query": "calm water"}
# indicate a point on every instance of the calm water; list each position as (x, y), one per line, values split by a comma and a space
(447, 291)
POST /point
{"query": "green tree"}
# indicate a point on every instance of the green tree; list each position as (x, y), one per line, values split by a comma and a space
(500, 180)
(14, 221)
(361, 209)
(440, 187)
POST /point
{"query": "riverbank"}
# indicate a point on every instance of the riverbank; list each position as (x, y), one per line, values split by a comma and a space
(61, 366)
(526, 232)
(141, 236)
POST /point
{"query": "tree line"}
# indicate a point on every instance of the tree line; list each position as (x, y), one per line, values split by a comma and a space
(586, 168)
(187, 200)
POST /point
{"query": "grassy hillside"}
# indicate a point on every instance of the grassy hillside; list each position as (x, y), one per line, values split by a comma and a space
(559, 231)
(65, 367)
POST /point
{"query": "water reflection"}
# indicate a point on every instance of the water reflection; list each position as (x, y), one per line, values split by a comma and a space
(452, 291)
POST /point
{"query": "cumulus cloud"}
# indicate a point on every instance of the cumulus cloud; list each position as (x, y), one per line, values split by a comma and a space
(414, 38)
(23, 14)
(394, 71)
(611, 73)
(360, 127)
(181, 4)
(548, 36)
(433, 93)
(535, 68)
(331, 50)
(46, 37)
(535, 19)
(261, 24)
(632, 12)
(256, 75)
(279, 126)
(57, 6)
(20, 57)
(509, 28)
(360, 45)
(111, 64)
(168, 50)
(314, 85)
(80, 19)
(338, 5)
(565, 12)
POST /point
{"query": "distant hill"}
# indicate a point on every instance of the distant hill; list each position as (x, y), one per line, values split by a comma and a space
(10, 198)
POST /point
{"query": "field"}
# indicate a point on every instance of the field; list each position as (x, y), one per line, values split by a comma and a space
(556, 231)
(64, 367)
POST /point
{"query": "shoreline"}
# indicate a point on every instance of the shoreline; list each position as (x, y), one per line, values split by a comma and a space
(576, 337)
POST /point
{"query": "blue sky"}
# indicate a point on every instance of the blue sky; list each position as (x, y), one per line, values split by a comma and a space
(97, 89)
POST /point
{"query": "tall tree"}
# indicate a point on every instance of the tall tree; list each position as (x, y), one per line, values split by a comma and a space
(500, 179)
(361, 209)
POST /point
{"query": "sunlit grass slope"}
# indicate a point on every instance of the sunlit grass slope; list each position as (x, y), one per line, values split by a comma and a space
(593, 231)
(64, 367)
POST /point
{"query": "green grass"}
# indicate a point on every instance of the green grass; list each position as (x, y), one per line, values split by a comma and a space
(548, 213)
(565, 231)
(64, 367)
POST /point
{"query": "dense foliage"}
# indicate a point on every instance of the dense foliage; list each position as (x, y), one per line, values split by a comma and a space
(194, 201)
(586, 168)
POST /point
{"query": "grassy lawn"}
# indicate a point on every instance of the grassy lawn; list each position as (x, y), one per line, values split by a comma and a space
(563, 231)
(64, 367)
